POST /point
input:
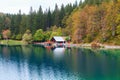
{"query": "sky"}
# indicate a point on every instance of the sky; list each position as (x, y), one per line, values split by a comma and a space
(13, 6)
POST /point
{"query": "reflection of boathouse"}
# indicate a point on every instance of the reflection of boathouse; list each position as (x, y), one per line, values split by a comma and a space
(58, 41)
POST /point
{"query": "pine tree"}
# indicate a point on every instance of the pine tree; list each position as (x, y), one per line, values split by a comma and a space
(49, 19)
(56, 16)
(62, 15)
(39, 19)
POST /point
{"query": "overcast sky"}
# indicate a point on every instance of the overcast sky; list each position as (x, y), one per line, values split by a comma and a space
(13, 6)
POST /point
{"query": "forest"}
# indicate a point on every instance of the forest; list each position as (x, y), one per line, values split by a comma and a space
(84, 22)
(43, 20)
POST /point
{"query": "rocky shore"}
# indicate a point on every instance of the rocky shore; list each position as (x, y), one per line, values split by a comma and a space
(98, 45)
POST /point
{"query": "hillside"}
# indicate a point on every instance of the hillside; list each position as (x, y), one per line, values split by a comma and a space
(90, 21)
(95, 23)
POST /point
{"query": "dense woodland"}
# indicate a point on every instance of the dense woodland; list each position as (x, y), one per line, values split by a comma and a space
(83, 22)
(44, 20)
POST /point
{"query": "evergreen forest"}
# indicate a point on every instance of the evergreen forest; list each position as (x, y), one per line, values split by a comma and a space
(84, 22)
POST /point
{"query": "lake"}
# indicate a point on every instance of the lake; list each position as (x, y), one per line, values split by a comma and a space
(34, 62)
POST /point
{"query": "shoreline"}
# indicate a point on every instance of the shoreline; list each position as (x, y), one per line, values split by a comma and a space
(83, 45)
(103, 46)
(111, 46)
(89, 45)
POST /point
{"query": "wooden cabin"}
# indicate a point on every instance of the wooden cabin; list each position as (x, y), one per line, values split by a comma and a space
(58, 41)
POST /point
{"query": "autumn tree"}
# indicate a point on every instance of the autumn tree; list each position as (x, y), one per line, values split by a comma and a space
(6, 34)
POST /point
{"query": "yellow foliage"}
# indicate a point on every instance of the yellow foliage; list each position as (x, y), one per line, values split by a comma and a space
(94, 22)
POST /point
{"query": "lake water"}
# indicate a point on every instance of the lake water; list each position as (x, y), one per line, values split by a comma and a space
(38, 63)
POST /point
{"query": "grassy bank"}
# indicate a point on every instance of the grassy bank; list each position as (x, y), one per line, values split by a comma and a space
(11, 42)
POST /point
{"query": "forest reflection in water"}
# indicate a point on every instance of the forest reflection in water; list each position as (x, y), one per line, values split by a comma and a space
(38, 63)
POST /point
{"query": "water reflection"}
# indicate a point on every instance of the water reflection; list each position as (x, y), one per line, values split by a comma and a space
(6, 52)
(58, 52)
(36, 63)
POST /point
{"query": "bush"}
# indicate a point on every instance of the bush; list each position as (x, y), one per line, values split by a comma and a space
(27, 37)
(0, 36)
(13, 37)
(67, 38)
(88, 39)
(95, 45)
(39, 35)
(19, 37)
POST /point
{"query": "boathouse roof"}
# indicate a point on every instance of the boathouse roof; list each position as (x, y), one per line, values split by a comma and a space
(58, 39)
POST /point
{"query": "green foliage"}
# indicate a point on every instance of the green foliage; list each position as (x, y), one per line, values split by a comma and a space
(54, 34)
(35, 20)
(27, 37)
(67, 38)
(0, 36)
(86, 23)
(56, 31)
(39, 35)
(19, 37)
(47, 35)
(28, 31)
(13, 37)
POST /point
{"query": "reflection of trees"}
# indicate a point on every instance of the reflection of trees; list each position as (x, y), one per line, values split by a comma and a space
(68, 51)
(6, 51)
(93, 63)
(11, 53)
(38, 53)
(74, 60)
(84, 62)
(26, 50)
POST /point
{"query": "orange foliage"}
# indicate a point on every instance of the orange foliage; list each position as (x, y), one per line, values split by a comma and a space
(94, 22)
(6, 33)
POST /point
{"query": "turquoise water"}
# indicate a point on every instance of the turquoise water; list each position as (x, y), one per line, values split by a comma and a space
(38, 63)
